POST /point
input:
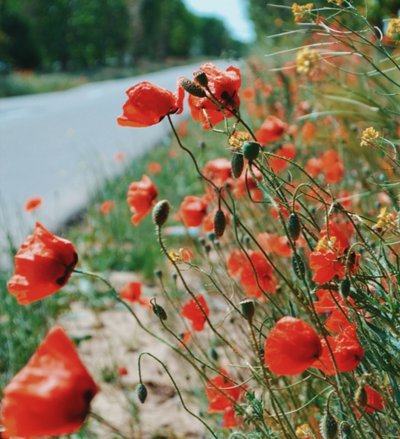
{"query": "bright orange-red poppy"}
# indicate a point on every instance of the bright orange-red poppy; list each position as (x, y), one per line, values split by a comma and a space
(273, 243)
(224, 85)
(148, 104)
(374, 401)
(33, 204)
(271, 130)
(154, 168)
(346, 350)
(218, 171)
(43, 265)
(219, 400)
(141, 197)
(132, 292)
(291, 347)
(262, 281)
(51, 395)
(235, 262)
(288, 151)
(192, 211)
(106, 207)
(196, 312)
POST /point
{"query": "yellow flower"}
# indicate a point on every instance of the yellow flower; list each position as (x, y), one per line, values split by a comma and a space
(336, 2)
(237, 139)
(325, 244)
(385, 221)
(302, 12)
(304, 431)
(393, 29)
(369, 136)
(306, 60)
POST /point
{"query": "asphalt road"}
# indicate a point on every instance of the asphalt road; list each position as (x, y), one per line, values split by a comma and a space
(60, 146)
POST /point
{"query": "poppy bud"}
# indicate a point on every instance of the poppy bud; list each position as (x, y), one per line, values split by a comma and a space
(201, 78)
(328, 425)
(158, 273)
(247, 308)
(237, 164)
(251, 150)
(294, 227)
(160, 212)
(298, 266)
(345, 287)
(192, 88)
(211, 236)
(159, 311)
(141, 393)
(219, 223)
(344, 430)
(213, 354)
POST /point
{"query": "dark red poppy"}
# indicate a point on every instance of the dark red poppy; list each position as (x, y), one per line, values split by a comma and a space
(220, 400)
(346, 350)
(141, 198)
(43, 265)
(192, 211)
(374, 400)
(148, 104)
(291, 347)
(264, 281)
(51, 395)
(196, 312)
(132, 292)
(271, 130)
(224, 85)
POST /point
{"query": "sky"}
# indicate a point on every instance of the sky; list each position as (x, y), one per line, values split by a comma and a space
(232, 12)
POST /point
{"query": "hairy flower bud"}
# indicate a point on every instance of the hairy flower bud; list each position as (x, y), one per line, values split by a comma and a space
(298, 266)
(251, 150)
(219, 223)
(248, 309)
(328, 425)
(237, 164)
(141, 391)
(294, 226)
(160, 212)
(159, 311)
(192, 88)
(201, 78)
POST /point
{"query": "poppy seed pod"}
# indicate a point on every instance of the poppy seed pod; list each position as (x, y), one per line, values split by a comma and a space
(345, 287)
(159, 311)
(160, 212)
(237, 165)
(192, 88)
(298, 266)
(328, 425)
(201, 78)
(213, 354)
(219, 223)
(344, 430)
(248, 309)
(141, 392)
(251, 150)
(294, 226)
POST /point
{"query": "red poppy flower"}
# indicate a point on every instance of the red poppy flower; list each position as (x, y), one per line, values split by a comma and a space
(122, 371)
(154, 168)
(218, 170)
(224, 85)
(141, 197)
(326, 265)
(265, 278)
(196, 312)
(192, 211)
(132, 292)
(43, 265)
(219, 401)
(230, 419)
(148, 104)
(51, 395)
(235, 262)
(346, 350)
(288, 151)
(273, 243)
(291, 347)
(271, 130)
(308, 132)
(374, 401)
(106, 207)
(33, 204)
(244, 184)
(332, 166)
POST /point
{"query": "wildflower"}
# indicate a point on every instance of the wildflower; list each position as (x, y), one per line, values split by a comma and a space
(271, 130)
(346, 350)
(184, 254)
(386, 221)
(291, 347)
(192, 211)
(218, 171)
(331, 303)
(43, 265)
(119, 156)
(235, 262)
(197, 312)
(209, 220)
(273, 243)
(132, 292)
(336, 2)
(287, 151)
(51, 395)
(224, 86)
(222, 393)
(237, 139)
(302, 12)
(148, 104)
(304, 431)
(154, 168)
(141, 197)
(257, 275)
(106, 207)
(393, 29)
(308, 132)
(306, 60)
(33, 204)
(374, 400)
(369, 136)
(332, 166)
